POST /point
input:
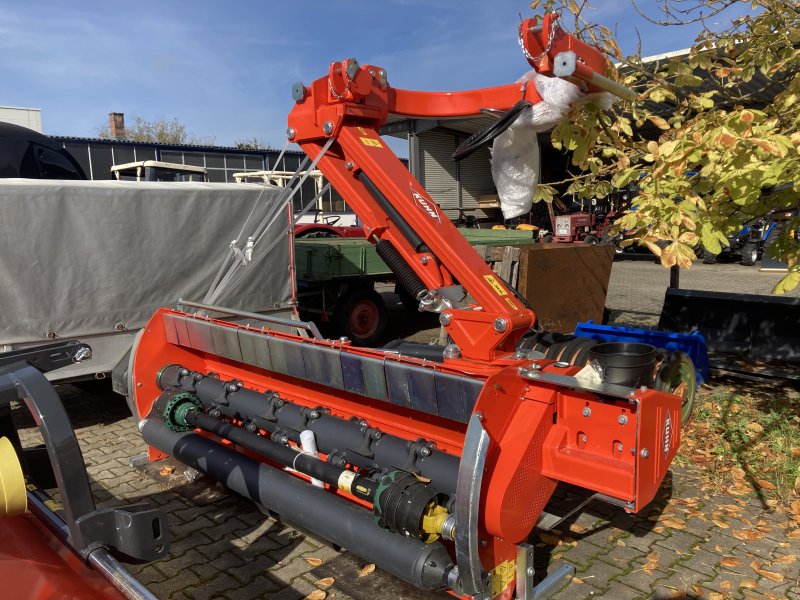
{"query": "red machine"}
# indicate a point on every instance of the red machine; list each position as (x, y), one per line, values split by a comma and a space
(435, 464)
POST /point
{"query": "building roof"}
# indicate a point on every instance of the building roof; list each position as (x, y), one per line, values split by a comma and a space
(191, 147)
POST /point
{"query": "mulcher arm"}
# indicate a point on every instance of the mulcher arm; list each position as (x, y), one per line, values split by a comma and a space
(436, 471)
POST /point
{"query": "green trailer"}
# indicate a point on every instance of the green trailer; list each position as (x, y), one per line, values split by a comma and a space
(336, 278)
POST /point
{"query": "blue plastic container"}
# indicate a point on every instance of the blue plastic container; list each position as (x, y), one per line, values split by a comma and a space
(693, 344)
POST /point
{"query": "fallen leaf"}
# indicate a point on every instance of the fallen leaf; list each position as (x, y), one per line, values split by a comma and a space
(771, 575)
(726, 585)
(317, 595)
(796, 507)
(716, 596)
(795, 452)
(748, 583)
(674, 523)
(366, 570)
(754, 427)
(314, 561)
(794, 535)
(720, 524)
(575, 528)
(747, 535)
(766, 485)
(166, 471)
(325, 583)
(652, 562)
(730, 562)
(786, 559)
(577, 580)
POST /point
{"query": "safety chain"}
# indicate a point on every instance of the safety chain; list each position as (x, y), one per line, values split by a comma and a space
(334, 93)
(553, 24)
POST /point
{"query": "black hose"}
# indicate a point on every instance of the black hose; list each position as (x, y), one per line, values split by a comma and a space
(486, 135)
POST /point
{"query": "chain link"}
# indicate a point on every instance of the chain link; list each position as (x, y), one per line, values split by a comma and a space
(553, 24)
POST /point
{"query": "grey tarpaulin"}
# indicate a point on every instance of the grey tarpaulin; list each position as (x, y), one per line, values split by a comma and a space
(81, 258)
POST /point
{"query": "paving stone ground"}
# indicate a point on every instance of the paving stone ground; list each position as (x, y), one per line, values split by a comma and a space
(224, 547)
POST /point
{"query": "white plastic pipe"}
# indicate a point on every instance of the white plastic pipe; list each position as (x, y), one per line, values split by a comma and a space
(309, 445)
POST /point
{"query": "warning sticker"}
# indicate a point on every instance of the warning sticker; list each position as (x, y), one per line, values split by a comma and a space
(502, 577)
(511, 304)
(362, 130)
(496, 285)
(370, 142)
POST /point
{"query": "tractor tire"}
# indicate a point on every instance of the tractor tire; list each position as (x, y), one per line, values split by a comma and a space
(360, 315)
(749, 254)
(709, 258)
(591, 240)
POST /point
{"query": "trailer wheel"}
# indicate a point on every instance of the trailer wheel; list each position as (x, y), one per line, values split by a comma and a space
(591, 240)
(360, 315)
(750, 254)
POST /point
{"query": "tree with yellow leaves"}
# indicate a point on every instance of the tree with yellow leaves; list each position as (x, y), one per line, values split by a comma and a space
(704, 151)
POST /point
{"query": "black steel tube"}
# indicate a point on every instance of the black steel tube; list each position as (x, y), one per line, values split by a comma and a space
(391, 212)
(425, 566)
(405, 274)
(344, 479)
(356, 442)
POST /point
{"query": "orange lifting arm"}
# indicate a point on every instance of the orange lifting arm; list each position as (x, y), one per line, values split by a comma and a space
(350, 105)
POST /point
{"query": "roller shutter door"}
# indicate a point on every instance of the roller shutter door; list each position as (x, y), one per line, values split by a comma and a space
(438, 170)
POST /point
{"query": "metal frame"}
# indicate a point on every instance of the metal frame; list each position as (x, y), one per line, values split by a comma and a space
(135, 532)
(473, 579)
(303, 325)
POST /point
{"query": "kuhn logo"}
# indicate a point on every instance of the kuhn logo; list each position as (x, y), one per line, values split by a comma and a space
(667, 434)
(426, 204)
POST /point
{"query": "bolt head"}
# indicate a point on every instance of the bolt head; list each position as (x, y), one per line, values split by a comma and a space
(583, 438)
(500, 324)
(536, 366)
(529, 571)
(290, 133)
(445, 318)
(425, 259)
(327, 127)
(425, 451)
(349, 165)
(620, 447)
(645, 453)
(622, 420)
(586, 412)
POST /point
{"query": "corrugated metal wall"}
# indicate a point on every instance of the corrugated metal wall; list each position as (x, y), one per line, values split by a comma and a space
(454, 185)
(438, 170)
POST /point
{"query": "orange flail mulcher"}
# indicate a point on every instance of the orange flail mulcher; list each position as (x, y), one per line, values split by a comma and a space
(435, 463)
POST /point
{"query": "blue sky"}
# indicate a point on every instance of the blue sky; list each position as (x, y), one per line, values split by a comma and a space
(225, 69)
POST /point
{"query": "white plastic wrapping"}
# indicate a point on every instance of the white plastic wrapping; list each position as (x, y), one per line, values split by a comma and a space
(515, 152)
